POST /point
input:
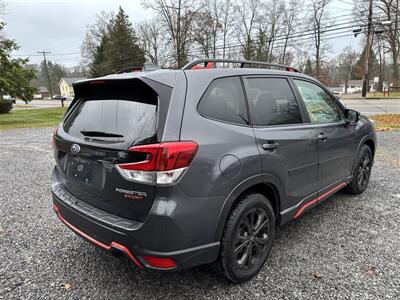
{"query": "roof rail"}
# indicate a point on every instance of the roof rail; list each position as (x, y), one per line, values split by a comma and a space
(210, 63)
(147, 67)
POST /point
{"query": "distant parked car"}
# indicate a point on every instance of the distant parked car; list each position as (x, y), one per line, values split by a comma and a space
(59, 97)
(336, 91)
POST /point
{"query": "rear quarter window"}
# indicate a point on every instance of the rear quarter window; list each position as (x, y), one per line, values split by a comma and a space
(224, 101)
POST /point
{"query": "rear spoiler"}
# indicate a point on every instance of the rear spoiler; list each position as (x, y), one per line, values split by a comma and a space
(111, 88)
(147, 67)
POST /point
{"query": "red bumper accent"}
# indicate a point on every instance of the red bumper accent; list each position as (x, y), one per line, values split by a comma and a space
(160, 262)
(327, 193)
(113, 245)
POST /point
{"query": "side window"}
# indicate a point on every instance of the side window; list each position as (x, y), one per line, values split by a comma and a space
(320, 106)
(273, 101)
(224, 100)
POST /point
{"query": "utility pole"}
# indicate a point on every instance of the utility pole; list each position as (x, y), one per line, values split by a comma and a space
(47, 70)
(367, 52)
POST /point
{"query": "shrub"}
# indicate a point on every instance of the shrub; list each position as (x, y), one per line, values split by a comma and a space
(5, 106)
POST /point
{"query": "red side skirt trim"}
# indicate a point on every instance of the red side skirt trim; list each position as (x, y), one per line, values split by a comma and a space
(327, 193)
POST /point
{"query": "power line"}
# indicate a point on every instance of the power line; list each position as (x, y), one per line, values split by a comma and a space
(47, 70)
(303, 34)
(53, 54)
(345, 2)
(367, 50)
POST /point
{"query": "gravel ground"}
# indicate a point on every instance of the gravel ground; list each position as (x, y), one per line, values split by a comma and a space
(347, 247)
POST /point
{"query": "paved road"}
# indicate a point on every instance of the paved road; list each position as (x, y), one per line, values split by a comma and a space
(43, 103)
(374, 107)
(352, 241)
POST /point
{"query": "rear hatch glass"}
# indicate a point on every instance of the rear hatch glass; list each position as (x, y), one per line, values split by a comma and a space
(112, 120)
(102, 124)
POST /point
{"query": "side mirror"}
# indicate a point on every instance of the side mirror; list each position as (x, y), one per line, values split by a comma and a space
(351, 116)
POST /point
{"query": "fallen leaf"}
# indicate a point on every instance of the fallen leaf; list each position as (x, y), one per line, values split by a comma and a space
(387, 122)
(317, 275)
(67, 286)
(370, 271)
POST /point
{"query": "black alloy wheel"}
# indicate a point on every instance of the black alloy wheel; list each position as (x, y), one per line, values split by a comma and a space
(251, 239)
(362, 171)
(247, 238)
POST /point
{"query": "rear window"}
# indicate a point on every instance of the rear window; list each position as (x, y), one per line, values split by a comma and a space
(128, 116)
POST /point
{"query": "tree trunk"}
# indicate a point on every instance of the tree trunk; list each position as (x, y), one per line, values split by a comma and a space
(317, 63)
(395, 67)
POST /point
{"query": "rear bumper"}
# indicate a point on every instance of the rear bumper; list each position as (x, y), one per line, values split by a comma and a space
(113, 233)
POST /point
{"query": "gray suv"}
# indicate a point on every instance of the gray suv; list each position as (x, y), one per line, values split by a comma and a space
(178, 168)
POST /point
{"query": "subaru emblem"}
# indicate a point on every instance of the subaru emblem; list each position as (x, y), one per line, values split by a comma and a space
(75, 149)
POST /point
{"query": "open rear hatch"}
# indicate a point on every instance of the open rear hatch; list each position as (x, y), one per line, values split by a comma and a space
(106, 119)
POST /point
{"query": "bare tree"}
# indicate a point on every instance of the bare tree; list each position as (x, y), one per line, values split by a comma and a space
(274, 13)
(176, 18)
(345, 63)
(95, 33)
(291, 15)
(206, 28)
(389, 37)
(227, 20)
(150, 39)
(391, 33)
(248, 16)
(318, 24)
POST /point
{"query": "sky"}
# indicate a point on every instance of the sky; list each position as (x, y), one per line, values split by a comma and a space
(59, 26)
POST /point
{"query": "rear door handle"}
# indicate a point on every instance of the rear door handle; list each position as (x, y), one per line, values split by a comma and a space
(270, 146)
(322, 137)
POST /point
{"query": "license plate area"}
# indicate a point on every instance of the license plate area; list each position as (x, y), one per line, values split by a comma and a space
(85, 172)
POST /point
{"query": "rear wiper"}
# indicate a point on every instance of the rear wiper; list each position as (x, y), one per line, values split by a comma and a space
(100, 134)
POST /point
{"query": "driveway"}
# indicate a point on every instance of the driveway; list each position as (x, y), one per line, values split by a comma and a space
(373, 106)
(42, 103)
(346, 248)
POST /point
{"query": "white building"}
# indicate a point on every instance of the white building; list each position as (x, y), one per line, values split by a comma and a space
(65, 85)
(355, 86)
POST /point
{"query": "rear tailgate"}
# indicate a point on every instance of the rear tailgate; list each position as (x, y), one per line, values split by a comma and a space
(104, 121)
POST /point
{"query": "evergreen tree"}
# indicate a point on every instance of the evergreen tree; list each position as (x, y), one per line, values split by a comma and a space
(308, 69)
(118, 48)
(99, 64)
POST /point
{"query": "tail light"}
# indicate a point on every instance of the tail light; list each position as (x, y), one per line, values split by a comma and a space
(164, 163)
(53, 136)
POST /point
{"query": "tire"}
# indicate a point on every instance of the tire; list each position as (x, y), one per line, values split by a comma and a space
(362, 171)
(252, 243)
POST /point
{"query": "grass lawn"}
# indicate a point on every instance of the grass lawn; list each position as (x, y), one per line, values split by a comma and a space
(387, 122)
(31, 118)
(377, 95)
(380, 95)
